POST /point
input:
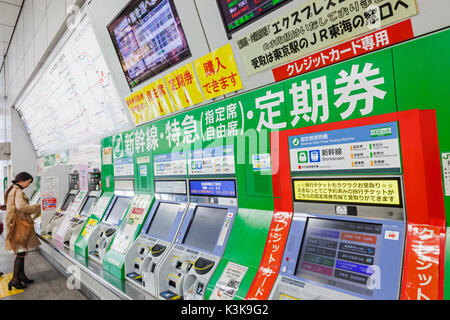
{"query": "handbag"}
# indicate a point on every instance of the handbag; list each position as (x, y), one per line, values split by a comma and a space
(20, 229)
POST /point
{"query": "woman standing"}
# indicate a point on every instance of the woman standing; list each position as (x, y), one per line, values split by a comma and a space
(20, 234)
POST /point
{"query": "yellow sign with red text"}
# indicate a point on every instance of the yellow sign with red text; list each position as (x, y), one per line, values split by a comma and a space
(139, 110)
(183, 87)
(157, 98)
(218, 73)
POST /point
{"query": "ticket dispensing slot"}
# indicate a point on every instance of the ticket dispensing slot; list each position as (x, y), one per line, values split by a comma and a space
(345, 245)
(158, 234)
(201, 241)
(103, 234)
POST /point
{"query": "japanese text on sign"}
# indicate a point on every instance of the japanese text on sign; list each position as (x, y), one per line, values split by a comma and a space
(157, 98)
(373, 41)
(422, 282)
(370, 192)
(218, 73)
(316, 25)
(183, 87)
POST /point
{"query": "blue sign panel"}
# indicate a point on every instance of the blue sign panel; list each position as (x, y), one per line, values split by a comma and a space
(219, 188)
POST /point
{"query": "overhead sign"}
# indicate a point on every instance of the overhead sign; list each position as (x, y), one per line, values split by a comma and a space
(315, 25)
(139, 110)
(218, 73)
(364, 149)
(349, 191)
(183, 87)
(157, 98)
(370, 42)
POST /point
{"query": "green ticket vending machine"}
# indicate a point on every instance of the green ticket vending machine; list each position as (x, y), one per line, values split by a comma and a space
(243, 253)
(98, 210)
(130, 228)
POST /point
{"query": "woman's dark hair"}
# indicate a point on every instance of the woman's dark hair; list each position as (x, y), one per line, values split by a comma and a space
(23, 176)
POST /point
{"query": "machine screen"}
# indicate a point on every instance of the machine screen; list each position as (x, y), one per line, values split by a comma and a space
(205, 227)
(163, 219)
(117, 210)
(87, 206)
(68, 202)
(340, 253)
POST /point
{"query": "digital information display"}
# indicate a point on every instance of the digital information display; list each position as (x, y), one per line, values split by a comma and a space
(75, 95)
(340, 253)
(87, 206)
(218, 188)
(205, 228)
(148, 39)
(118, 210)
(239, 13)
(375, 192)
(68, 202)
(163, 219)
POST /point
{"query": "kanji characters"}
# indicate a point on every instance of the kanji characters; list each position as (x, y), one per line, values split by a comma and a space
(268, 103)
(301, 106)
(358, 87)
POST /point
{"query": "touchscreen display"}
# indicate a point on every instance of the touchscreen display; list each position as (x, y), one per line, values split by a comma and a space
(87, 206)
(68, 202)
(163, 219)
(205, 228)
(340, 253)
(118, 210)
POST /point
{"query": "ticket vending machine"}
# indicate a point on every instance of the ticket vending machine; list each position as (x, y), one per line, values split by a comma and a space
(62, 225)
(103, 233)
(346, 250)
(74, 189)
(361, 201)
(95, 215)
(114, 259)
(77, 222)
(201, 241)
(158, 234)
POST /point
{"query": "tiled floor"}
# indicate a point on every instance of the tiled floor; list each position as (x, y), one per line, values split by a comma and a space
(49, 283)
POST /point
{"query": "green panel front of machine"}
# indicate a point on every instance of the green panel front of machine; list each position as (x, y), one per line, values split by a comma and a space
(245, 247)
(81, 245)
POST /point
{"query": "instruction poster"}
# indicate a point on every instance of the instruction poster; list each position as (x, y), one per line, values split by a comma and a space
(229, 282)
(315, 25)
(367, 148)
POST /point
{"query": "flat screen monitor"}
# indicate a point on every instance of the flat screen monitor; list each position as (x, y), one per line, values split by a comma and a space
(87, 206)
(163, 220)
(117, 210)
(68, 201)
(205, 227)
(148, 39)
(340, 253)
(239, 13)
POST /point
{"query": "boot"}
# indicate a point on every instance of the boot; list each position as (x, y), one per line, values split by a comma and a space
(17, 285)
(22, 277)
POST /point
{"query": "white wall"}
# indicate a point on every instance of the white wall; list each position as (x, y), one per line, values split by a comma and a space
(23, 156)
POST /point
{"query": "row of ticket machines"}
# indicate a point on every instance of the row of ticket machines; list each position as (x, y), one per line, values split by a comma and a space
(330, 236)
(171, 243)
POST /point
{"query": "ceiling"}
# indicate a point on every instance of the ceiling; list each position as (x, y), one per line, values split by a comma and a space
(9, 12)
